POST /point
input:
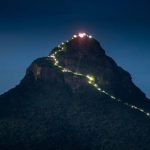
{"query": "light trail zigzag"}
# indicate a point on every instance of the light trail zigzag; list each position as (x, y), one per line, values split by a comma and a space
(90, 79)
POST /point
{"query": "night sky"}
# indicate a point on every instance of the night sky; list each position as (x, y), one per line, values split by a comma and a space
(31, 28)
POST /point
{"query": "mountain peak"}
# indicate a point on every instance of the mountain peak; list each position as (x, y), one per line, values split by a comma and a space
(82, 45)
(72, 96)
(82, 35)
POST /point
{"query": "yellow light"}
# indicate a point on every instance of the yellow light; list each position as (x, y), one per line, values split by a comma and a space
(89, 82)
(60, 66)
(63, 70)
(113, 97)
(78, 74)
(95, 85)
(141, 110)
(52, 56)
(91, 78)
(75, 36)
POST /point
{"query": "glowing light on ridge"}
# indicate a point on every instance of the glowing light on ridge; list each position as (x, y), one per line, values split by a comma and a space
(75, 36)
(90, 36)
(82, 35)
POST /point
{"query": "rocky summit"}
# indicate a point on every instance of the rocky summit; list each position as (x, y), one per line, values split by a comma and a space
(76, 98)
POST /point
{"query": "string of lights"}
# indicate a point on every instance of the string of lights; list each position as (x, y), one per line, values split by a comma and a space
(91, 80)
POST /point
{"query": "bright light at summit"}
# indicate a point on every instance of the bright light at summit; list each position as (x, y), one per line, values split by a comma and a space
(81, 35)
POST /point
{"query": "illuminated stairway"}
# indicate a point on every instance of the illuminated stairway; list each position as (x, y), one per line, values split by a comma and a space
(90, 78)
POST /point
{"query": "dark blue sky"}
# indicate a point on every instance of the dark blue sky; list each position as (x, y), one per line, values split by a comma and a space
(31, 28)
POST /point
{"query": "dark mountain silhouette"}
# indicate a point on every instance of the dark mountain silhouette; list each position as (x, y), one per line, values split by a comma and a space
(77, 98)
